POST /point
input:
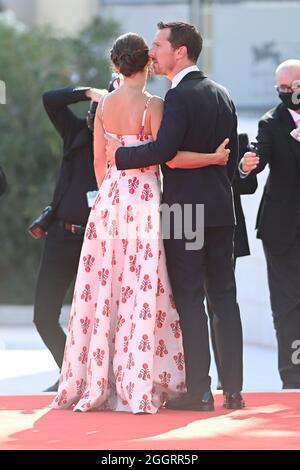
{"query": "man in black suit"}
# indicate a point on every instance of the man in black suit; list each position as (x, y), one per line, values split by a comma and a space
(198, 116)
(278, 219)
(64, 239)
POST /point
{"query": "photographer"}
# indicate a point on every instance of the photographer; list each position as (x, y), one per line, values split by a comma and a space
(65, 220)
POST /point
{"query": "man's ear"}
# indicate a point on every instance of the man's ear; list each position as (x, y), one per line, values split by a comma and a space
(181, 52)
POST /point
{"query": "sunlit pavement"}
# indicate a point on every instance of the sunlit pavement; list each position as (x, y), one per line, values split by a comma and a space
(27, 367)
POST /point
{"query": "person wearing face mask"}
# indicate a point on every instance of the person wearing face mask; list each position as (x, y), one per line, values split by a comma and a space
(278, 219)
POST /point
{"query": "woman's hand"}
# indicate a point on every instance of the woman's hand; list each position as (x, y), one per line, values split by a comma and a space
(189, 160)
(221, 155)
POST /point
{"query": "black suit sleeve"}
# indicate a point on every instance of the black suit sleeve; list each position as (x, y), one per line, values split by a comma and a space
(56, 104)
(234, 149)
(264, 141)
(244, 185)
(169, 138)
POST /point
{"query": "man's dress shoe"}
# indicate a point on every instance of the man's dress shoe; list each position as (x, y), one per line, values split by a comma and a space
(192, 402)
(233, 401)
(290, 386)
(52, 388)
(219, 385)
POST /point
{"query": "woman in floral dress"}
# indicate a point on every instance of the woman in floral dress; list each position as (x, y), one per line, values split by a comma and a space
(124, 347)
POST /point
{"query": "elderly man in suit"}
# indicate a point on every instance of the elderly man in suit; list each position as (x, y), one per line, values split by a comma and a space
(278, 220)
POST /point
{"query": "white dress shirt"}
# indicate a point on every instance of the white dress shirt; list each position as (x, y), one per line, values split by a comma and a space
(295, 133)
(295, 116)
(179, 76)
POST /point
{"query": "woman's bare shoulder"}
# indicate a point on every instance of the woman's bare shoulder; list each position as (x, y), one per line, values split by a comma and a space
(156, 103)
(156, 100)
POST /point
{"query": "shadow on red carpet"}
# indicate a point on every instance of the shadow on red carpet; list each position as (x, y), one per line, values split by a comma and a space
(270, 421)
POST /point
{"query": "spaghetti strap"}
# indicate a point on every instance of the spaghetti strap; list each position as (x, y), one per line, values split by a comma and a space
(102, 109)
(144, 118)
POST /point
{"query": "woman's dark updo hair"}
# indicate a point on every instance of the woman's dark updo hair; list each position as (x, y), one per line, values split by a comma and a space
(130, 54)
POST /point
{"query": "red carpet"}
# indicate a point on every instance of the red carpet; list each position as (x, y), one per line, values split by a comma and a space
(270, 421)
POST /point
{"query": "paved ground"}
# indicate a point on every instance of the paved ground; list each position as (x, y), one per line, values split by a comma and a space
(27, 367)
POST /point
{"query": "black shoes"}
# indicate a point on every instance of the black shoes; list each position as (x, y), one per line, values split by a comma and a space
(219, 385)
(52, 388)
(233, 401)
(205, 402)
(192, 402)
(290, 386)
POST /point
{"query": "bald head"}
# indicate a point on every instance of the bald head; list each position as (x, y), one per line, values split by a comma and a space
(288, 83)
(288, 71)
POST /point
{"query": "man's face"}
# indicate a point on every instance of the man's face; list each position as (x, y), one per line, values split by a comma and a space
(162, 53)
(287, 77)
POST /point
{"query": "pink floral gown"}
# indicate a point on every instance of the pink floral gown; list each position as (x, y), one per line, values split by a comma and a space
(124, 347)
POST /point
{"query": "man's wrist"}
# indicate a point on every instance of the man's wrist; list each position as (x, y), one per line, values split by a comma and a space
(242, 172)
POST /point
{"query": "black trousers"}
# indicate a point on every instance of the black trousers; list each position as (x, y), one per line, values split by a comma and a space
(213, 336)
(284, 286)
(58, 268)
(194, 275)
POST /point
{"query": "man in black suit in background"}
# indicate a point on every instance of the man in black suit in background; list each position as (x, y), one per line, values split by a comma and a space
(198, 116)
(64, 239)
(240, 186)
(278, 219)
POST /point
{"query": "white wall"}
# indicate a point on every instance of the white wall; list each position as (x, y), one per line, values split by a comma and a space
(24, 10)
(272, 29)
(143, 20)
(68, 16)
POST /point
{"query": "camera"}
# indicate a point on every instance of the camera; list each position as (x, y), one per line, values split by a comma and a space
(91, 115)
(115, 82)
(39, 226)
(253, 147)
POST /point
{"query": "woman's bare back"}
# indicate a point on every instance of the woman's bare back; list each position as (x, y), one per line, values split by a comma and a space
(123, 112)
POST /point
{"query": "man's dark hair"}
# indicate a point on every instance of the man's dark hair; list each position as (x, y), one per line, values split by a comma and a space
(184, 34)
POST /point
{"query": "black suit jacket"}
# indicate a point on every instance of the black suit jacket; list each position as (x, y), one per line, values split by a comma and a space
(77, 138)
(240, 187)
(198, 116)
(278, 216)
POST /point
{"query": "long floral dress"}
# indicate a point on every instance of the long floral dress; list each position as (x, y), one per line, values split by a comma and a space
(124, 347)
